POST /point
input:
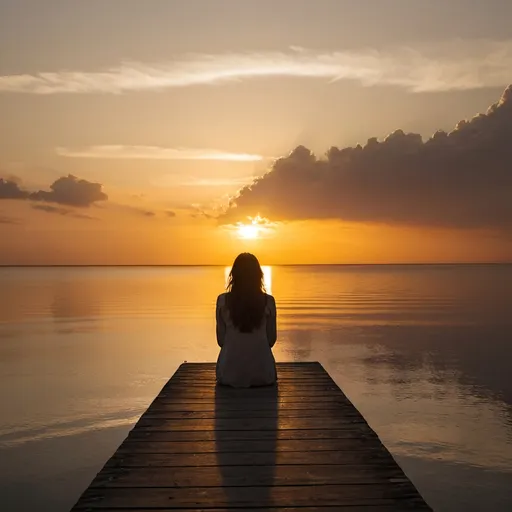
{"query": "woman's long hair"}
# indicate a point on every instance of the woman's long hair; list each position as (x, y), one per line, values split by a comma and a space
(246, 296)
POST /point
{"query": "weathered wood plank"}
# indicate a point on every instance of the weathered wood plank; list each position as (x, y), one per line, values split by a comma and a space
(256, 400)
(287, 378)
(282, 377)
(257, 445)
(256, 407)
(295, 372)
(186, 369)
(254, 496)
(326, 414)
(300, 445)
(367, 508)
(187, 365)
(249, 424)
(240, 393)
(358, 431)
(240, 476)
(283, 387)
(281, 373)
(168, 460)
(291, 375)
(281, 368)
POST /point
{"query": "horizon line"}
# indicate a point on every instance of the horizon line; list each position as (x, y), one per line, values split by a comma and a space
(447, 263)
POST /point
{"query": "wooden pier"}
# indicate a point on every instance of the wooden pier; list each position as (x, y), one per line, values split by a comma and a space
(300, 446)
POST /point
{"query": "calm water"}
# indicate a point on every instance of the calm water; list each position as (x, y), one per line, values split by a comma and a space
(424, 352)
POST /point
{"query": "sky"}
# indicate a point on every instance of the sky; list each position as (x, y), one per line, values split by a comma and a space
(187, 131)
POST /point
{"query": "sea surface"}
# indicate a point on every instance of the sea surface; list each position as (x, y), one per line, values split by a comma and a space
(424, 352)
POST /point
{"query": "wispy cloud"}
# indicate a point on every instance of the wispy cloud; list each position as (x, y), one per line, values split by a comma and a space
(61, 211)
(454, 65)
(8, 220)
(125, 208)
(155, 153)
(218, 182)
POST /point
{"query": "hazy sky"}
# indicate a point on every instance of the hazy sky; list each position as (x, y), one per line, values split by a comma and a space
(171, 107)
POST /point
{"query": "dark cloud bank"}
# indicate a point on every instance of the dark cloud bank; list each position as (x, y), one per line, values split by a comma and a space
(457, 179)
(68, 190)
(65, 194)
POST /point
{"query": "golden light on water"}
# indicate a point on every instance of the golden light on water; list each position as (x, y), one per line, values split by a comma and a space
(267, 277)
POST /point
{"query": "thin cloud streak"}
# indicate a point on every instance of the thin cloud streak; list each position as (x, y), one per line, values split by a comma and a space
(218, 182)
(8, 220)
(453, 65)
(155, 153)
(61, 211)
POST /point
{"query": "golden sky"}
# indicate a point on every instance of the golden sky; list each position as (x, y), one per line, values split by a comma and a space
(130, 129)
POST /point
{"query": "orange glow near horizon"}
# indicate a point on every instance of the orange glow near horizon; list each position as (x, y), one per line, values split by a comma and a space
(125, 238)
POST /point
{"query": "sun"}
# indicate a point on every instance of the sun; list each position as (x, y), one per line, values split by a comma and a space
(254, 228)
(248, 231)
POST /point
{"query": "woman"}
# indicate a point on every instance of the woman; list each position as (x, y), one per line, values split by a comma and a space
(246, 328)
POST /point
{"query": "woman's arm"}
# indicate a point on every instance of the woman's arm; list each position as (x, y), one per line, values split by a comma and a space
(271, 321)
(221, 325)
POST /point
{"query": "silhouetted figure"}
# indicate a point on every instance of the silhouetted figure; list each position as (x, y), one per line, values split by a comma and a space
(246, 327)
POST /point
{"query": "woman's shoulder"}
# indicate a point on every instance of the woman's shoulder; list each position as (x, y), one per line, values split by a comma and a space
(221, 299)
(271, 302)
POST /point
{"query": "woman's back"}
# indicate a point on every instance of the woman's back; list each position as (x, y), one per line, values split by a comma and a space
(246, 357)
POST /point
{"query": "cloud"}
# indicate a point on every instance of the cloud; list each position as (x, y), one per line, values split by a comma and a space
(198, 212)
(457, 179)
(61, 211)
(72, 191)
(9, 189)
(141, 212)
(217, 182)
(8, 220)
(155, 153)
(13, 179)
(68, 190)
(453, 65)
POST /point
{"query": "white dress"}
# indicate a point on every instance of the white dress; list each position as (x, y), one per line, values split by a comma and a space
(246, 358)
